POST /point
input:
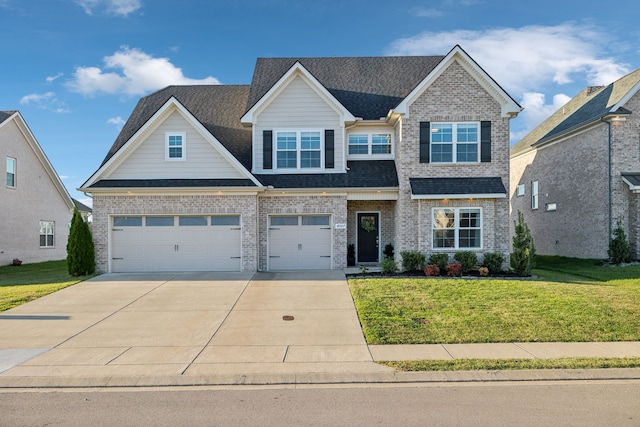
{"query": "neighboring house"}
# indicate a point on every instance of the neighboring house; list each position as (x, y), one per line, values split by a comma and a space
(85, 211)
(315, 154)
(34, 205)
(578, 173)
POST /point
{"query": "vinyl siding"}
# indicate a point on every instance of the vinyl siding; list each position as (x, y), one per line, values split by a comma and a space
(298, 106)
(203, 160)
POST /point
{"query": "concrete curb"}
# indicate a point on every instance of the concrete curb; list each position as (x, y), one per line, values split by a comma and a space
(295, 379)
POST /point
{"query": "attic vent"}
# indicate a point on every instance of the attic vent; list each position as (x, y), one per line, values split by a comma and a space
(592, 89)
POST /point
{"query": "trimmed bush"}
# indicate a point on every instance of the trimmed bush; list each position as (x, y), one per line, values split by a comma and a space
(619, 249)
(493, 261)
(522, 258)
(388, 251)
(454, 269)
(441, 260)
(388, 266)
(80, 251)
(412, 260)
(431, 270)
(468, 259)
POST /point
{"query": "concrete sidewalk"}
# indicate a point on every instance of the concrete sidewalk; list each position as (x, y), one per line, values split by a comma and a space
(233, 328)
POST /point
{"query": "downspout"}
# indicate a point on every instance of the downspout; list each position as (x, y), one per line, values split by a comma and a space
(609, 167)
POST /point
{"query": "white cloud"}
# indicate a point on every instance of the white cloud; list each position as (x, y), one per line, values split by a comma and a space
(117, 121)
(45, 101)
(135, 73)
(422, 12)
(64, 176)
(536, 110)
(523, 59)
(111, 7)
(51, 79)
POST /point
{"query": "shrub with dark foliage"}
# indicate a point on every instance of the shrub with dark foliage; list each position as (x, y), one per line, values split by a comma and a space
(80, 251)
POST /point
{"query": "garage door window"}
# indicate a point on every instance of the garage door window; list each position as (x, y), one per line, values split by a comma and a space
(225, 220)
(127, 221)
(159, 221)
(315, 220)
(192, 221)
(284, 220)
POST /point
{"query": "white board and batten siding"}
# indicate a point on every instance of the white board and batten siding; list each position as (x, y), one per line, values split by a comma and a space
(202, 160)
(298, 106)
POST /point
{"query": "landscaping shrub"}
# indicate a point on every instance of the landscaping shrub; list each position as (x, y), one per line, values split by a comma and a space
(431, 270)
(388, 251)
(619, 249)
(388, 266)
(468, 259)
(80, 251)
(412, 260)
(484, 271)
(493, 261)
(441, 260)
(522, 258)
(454, 269)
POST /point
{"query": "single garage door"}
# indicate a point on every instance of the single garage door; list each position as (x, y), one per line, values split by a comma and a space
(300, 242)
(175, 243)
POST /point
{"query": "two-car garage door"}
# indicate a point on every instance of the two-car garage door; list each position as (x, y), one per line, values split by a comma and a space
(176, 243)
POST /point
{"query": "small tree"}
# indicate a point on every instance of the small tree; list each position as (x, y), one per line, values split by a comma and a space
(619, 248)
(524, 252)
(80, 251)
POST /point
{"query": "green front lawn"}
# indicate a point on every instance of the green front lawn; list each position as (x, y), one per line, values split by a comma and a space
(19, 285)
(568, 300)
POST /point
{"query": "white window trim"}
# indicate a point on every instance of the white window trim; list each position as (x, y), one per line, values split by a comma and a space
(53, 234)
(370, 155)
(454, 126)
(15, 172)
(184, 146)
(457, 228)
(534, 195)
(298, 168)
(520, 190)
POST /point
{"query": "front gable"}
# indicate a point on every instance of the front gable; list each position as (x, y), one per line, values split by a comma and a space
(509, 107)
(150, 154)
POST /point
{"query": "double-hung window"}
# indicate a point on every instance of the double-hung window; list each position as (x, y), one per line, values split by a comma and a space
(534, 195)
(11, 172)
(455, 142)
(175, 146)
(457, 228)
(46, 234)
(369, 143)
(298, 149)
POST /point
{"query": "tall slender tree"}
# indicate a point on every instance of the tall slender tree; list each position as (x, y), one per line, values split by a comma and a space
(80, 250)
(524, 251)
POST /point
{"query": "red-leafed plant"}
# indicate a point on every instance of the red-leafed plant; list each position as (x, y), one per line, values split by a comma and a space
(432, 270)
(454, 269)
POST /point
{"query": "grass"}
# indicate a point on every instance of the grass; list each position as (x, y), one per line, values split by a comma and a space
(19, 285)
(569, 301)
(513, 364)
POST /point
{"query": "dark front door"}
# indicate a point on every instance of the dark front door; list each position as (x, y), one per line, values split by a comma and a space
(368, 241)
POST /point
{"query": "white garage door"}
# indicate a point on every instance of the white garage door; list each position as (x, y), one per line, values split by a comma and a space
(175, 243)
(300, 242)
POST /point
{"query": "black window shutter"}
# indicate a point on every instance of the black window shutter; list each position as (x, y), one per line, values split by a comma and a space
(267, 149)
(329, 151)
(485, 141)
(424, 141)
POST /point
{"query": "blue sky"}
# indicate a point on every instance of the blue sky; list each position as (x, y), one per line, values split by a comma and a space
(76, 68)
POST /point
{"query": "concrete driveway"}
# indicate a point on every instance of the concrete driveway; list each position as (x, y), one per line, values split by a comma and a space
(188, 324)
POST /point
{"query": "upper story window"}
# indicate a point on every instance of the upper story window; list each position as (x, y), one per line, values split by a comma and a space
(520, 190)
(298, 149)
(369, 143)
(11, 172)
(46, 234)
(454, 142)
(534, 195)
(175, 146)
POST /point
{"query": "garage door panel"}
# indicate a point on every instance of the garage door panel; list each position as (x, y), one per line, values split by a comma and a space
(176, 243)
(299, 242)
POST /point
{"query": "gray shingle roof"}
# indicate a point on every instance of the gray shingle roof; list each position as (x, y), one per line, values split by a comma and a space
(366, 86)
(217, 107)
(361, 174)
(633, 178)
(591, 104)
(456, 186)
(4, 115)
(81, 206)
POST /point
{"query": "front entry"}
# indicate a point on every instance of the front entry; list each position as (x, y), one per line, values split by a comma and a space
(368, 237)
